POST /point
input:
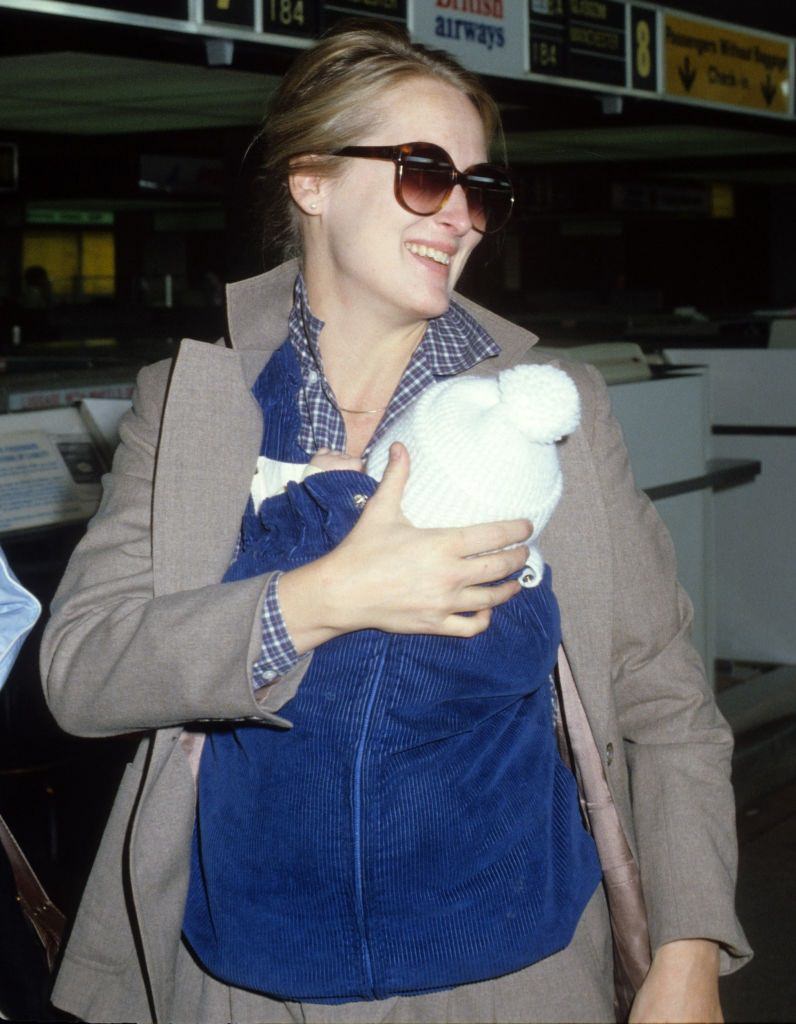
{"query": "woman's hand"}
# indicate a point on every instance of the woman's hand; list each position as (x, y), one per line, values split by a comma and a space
(682, 985)
(387, 574)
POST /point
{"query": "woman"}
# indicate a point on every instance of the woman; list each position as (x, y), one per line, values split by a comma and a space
(145, 636)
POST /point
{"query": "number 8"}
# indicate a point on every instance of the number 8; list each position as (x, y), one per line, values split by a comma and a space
(643, 56)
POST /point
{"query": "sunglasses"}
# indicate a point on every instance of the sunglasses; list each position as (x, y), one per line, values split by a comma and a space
(425, 176)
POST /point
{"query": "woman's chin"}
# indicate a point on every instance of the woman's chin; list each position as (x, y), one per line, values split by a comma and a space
(432, 302)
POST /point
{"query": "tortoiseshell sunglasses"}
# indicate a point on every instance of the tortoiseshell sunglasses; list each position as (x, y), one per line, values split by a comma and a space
(425, 176)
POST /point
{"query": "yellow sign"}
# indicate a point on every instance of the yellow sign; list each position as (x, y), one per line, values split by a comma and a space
(707, 62)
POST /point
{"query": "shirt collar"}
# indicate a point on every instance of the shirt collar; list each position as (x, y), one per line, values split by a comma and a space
(452, 343)
(304, 329)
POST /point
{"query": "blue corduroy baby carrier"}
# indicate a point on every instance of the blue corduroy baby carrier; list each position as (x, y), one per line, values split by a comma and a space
(415, 829)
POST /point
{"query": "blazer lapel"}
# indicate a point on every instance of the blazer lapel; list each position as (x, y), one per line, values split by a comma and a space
(211, 434)
(210, 440)
(576, 546)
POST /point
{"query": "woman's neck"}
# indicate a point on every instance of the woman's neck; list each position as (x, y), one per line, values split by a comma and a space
(364, 353)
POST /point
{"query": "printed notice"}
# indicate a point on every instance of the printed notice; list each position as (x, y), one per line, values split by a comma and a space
(714, 63)
(488, 36)
(36, 488)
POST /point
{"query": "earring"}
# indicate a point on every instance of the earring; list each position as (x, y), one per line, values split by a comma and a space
(313, 206)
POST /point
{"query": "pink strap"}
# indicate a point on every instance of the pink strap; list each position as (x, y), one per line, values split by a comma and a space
(620, 872)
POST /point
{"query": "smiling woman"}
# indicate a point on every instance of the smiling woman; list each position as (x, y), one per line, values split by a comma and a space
(412, 848)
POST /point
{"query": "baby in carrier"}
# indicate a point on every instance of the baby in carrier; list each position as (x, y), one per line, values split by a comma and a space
(435, 834)
(481, 448)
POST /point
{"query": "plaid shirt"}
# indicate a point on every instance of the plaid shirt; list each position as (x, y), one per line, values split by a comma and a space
(451, 344)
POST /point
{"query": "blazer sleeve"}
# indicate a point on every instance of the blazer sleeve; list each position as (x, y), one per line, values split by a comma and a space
(677, 744)
(115, 658)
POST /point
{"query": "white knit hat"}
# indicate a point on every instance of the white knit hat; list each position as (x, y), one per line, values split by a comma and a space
(483, 449)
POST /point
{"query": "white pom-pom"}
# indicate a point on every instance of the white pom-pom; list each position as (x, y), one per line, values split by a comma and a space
(542, 402)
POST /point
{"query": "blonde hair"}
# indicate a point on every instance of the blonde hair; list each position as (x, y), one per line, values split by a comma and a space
(326, 101)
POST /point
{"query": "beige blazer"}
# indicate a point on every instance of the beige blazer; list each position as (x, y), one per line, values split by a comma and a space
(143, 636)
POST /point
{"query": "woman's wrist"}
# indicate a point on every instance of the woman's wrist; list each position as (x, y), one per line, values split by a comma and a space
(703, 953)
(313, 607)
(682, 985)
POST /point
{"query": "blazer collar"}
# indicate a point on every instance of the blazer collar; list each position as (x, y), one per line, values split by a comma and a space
(258, 309)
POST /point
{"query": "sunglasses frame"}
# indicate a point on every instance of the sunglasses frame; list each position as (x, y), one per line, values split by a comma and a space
(398, 156)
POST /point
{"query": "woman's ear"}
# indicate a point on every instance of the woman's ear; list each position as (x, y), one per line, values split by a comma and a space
(306, 188)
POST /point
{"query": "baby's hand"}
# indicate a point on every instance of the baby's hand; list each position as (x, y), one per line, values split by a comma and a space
(324, 460)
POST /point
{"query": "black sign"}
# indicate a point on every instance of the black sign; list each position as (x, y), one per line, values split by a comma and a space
(291, 17)
(239, 13)
(580, 39)
(644, 46)
(335, 10)
(160, 8)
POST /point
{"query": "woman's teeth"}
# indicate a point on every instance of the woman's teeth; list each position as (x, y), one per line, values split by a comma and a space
(432, 254)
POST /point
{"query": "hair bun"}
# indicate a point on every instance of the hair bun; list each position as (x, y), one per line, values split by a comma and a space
(541, 401)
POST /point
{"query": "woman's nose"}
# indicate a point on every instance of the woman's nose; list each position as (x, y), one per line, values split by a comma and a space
(455, 212)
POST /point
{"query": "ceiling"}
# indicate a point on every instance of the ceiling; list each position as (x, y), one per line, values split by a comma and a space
(650, 142)
(94, 94)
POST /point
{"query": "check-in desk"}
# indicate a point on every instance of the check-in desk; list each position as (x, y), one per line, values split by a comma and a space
(665, 423)
(752, 397)
(664, 413)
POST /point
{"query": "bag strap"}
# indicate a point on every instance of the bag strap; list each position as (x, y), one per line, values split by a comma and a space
(621, 875)
(46, 919)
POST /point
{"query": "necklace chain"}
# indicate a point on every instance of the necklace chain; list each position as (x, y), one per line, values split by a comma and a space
(340, 408)
(361, 412)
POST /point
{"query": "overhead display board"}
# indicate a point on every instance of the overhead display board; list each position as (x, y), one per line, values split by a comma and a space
(609, 46)
(710, 62)
(290, 17)
(579, 39)
(390, 9)
(615, 46)
(178, 9)
(293, 22)
(240, 13)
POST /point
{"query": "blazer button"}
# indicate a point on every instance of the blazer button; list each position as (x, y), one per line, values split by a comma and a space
(609, 753)
(360, 501)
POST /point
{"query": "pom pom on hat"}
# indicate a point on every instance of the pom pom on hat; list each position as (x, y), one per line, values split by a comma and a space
(541, 401)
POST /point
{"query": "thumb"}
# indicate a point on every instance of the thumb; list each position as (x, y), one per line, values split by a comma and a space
(390, 490)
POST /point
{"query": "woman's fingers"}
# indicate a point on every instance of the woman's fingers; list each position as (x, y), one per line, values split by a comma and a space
(387, 574)
(387, 498)
(474, 540)
(497, 566)
(475, 599)
(465, 625)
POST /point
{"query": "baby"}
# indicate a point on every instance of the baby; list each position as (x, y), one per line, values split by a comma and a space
(482, 449)
(325, 460)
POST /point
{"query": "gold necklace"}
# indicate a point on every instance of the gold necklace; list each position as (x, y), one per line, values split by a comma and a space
(361, 412)
(340, 408)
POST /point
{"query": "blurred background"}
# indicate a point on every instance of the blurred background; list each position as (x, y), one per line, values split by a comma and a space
(654, 155)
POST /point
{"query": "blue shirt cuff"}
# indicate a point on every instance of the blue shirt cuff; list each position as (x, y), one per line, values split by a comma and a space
(277, 654)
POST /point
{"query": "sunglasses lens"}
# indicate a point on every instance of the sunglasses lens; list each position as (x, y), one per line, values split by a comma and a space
(490, 197)
(426, 179)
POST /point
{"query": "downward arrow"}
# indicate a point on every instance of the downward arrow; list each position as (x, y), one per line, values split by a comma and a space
(687, 74)
(769, 90)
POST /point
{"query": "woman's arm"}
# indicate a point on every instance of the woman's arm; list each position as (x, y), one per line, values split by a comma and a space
(114, 657)
(682, 985)
(677, 744)
(389, 575)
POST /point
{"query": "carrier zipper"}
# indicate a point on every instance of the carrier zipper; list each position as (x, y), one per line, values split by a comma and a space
(357, 814)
